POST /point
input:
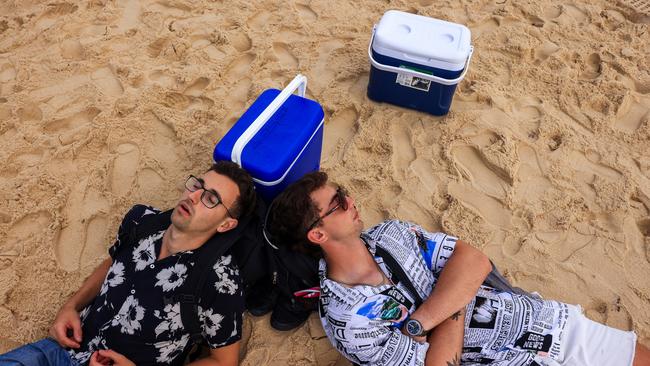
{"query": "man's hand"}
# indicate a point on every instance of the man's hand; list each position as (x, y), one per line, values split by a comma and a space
(67, 321)
(107, 357)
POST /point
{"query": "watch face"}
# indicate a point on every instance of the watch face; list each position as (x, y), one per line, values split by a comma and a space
(413, 327)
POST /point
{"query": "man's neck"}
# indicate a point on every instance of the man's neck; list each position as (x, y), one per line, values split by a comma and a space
(175, 241)
(351, 264)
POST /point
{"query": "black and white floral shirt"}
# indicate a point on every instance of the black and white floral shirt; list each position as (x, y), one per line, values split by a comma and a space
(130, 316)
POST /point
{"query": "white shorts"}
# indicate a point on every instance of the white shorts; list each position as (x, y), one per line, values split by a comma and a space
(595, 344)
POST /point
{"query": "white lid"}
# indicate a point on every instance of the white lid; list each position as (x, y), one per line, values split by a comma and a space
(422, 40)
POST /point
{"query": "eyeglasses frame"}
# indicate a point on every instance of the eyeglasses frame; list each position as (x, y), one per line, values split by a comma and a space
(212, 191)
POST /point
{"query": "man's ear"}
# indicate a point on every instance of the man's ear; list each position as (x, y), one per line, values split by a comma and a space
(317, 236)
(227, 224)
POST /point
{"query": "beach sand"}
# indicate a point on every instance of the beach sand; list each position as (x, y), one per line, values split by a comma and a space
(543, 161)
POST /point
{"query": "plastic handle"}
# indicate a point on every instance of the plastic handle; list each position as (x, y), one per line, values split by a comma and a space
(300, 83)
(421, 75)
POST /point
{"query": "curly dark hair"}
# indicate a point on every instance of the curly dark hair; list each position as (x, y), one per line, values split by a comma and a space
(291, 213)
(245, 203)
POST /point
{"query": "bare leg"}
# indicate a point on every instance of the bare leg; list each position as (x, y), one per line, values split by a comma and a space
(641, 356)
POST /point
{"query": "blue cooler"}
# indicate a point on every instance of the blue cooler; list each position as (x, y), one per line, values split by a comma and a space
(277, 140)
(416, 61)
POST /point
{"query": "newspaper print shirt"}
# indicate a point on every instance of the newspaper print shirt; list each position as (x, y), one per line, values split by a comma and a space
(363, 322)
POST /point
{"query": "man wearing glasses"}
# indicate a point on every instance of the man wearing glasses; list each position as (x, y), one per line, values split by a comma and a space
(396, 294)
(121, 315)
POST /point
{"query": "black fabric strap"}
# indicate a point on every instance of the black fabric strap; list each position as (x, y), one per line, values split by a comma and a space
(398, 273)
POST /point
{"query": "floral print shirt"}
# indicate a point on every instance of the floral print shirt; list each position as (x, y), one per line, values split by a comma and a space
(130, 314)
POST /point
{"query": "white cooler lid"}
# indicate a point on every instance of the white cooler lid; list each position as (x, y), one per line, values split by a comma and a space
(422, 40)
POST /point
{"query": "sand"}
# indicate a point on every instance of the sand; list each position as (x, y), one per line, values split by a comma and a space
(543, 161)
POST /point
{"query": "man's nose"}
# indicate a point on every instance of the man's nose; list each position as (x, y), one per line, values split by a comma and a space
(195, 196)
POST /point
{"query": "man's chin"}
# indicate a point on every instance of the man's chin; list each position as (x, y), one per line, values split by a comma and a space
(178, 220)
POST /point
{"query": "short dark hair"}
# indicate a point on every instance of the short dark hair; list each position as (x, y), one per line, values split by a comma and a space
(245, 203)
(293, 211)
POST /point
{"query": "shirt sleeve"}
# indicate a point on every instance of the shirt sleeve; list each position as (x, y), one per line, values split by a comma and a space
(436, 248)
(130, 219)
(222, 304)
(370, 343)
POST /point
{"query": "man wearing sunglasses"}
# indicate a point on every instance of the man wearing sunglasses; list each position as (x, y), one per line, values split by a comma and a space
(123, 315)
(396, 294)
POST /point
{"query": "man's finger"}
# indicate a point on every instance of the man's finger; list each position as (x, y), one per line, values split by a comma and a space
(60, 333)
(76, 330)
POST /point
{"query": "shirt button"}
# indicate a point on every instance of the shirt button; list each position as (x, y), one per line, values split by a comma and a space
(117, 317)
(103, 341)
(151, 266)
(132, 292)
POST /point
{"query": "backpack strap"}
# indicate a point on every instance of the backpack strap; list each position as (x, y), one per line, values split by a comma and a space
(189, 294)
(398, 273)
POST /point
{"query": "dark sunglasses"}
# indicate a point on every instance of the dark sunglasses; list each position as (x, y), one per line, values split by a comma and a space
(341, 202)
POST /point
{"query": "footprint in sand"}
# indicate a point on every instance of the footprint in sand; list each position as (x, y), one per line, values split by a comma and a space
(482, 175)
(490, 209)
(402, 145)
(107, 82)
(165, 149)
(240, 67)
(643, 9)
(155, 48)
(528, 112)
(53, 12)
(592, 68)
(633, 112)
(29, 112)
(307, 14)
(339, 131)
(241, 41)
(237, 96)
(71, 49)
(162, 79)
(259, 20)
(196, 88)
(486, 27)
(150, 185)
(177, 100)
(73, 128)
(571, 14)
(125, 167)
(83, 235)
(28, 158)
(545, 51)
(130, 15)
(22, 232)
(284, 56)
(532, 183)
(323, 67)
(7, 73)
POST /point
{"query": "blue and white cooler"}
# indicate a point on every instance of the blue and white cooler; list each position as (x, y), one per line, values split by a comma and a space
(417, 61)
(277, 140)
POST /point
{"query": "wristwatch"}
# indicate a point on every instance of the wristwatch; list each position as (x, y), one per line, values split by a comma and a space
(414, 328)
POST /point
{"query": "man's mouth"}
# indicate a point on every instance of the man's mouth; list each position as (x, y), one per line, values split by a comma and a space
(184, 209)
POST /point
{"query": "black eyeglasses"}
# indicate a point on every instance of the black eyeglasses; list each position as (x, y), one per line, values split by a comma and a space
(341, 202)
(210, 198)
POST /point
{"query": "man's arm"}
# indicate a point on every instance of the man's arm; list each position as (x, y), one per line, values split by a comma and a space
(446, 341)
(68, 316)
(457, 285)
(222, 356)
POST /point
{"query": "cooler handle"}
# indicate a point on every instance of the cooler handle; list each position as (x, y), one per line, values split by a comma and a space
(300, 83)
(421, 75)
